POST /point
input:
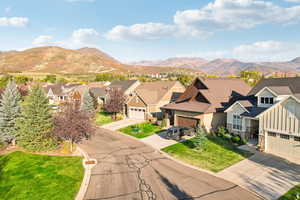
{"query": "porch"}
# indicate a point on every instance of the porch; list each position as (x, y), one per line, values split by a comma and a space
(247, 128)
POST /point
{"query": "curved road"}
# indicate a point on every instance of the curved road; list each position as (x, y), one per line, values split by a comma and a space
(130, 170)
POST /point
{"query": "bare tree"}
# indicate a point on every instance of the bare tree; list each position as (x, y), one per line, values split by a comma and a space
(115, 103)
(73, 124)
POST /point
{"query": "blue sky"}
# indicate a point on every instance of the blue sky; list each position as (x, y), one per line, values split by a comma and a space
(130, 30)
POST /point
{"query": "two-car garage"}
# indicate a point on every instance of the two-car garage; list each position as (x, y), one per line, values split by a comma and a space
(187, 121)
(283, 145)
(137, 113)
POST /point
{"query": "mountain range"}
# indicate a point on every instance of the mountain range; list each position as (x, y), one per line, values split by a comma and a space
(52, 59)
(225, 66)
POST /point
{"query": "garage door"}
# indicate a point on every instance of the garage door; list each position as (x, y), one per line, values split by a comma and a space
(283, 145)
(137, 113)
(187, 122)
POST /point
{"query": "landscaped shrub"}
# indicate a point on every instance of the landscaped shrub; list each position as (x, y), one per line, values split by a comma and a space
(200, 140)
(243, 141)
(236, 139)
(221, 131)
(227, 136)
(163, 123)
(119, 116)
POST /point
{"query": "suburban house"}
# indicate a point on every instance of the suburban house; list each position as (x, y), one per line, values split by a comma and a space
(127, 87)
(61, 92)
(148, 98)
(271, 113)
(203, 102)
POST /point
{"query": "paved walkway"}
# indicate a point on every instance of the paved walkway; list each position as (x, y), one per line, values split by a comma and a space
(265, 174)
(158, 141)
(128, 169)
(121, 124)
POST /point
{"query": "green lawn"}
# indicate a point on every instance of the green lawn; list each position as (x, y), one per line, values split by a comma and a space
(103, 118)
(291, 194)
(219, 154)
(141, 130)
(38, 177)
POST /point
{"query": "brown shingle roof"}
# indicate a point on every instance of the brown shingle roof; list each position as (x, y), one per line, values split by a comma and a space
(209, 95)
(153, 92)
(281, 86)
(122, 85)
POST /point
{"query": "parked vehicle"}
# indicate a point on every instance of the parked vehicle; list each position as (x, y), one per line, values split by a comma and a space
(177, 132)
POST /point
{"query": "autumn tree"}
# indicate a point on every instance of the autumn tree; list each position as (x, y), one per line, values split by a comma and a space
(72, 124)
(115, 102)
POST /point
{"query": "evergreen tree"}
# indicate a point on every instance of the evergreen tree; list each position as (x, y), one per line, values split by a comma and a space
(88, 103)
(200, 139)
(36, 122)
(9, 112)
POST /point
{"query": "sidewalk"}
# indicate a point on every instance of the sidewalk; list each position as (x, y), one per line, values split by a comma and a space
(121, 124)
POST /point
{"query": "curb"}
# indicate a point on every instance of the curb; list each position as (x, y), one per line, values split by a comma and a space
(87, 174)
(188, 165)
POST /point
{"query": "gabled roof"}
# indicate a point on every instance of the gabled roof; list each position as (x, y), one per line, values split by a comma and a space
(122, 85)
(98, 92)
(281, 86)
(153, 92)
(210, 95)
(59, 89)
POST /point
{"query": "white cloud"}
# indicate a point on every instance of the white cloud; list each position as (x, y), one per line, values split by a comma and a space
(254, 52)
(18, 22)
(43, 40)
(84, 36)
(235, 14)
(216, 16)
(149, 31)
(79, 38)
(267, 51)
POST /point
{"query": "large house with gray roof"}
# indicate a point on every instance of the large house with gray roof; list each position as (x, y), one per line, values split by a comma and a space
(270, 113)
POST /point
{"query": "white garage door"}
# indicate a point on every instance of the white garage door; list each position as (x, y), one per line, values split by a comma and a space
(283, 145)
(137, 113)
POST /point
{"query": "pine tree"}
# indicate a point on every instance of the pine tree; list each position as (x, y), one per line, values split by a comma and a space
(88, 103)
(9, 112)
(36, 122)
(200, 139)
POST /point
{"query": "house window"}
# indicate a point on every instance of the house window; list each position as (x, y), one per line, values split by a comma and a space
(297, 139)
(237, 122)
(267, 100)
(283, 136)
(272, 134)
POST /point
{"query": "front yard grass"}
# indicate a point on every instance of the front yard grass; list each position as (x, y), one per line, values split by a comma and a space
(103, 118)
(141, 130)
(38, 177)
(291, 194)
(218, 155)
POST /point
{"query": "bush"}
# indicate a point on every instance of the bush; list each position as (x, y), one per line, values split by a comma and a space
(163, 123)
(236, 139)
(119, 116)
(243, 142)
(227, 136)
(221, 131)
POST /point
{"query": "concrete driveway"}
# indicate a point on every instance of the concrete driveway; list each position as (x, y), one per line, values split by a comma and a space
(158, 141)
(121, 124)
(128, 169)
(265, 174)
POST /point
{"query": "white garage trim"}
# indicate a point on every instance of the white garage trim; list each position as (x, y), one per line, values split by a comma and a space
(137, 112)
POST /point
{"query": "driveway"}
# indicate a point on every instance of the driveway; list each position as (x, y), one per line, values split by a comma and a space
(158, 141)
(121, 124)
(128, 169)
(265, 174)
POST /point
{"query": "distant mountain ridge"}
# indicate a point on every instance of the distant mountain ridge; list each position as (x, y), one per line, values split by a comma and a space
(52, 59)
(225, 66)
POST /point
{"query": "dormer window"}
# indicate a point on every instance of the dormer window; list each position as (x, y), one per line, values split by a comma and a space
(267, 100)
